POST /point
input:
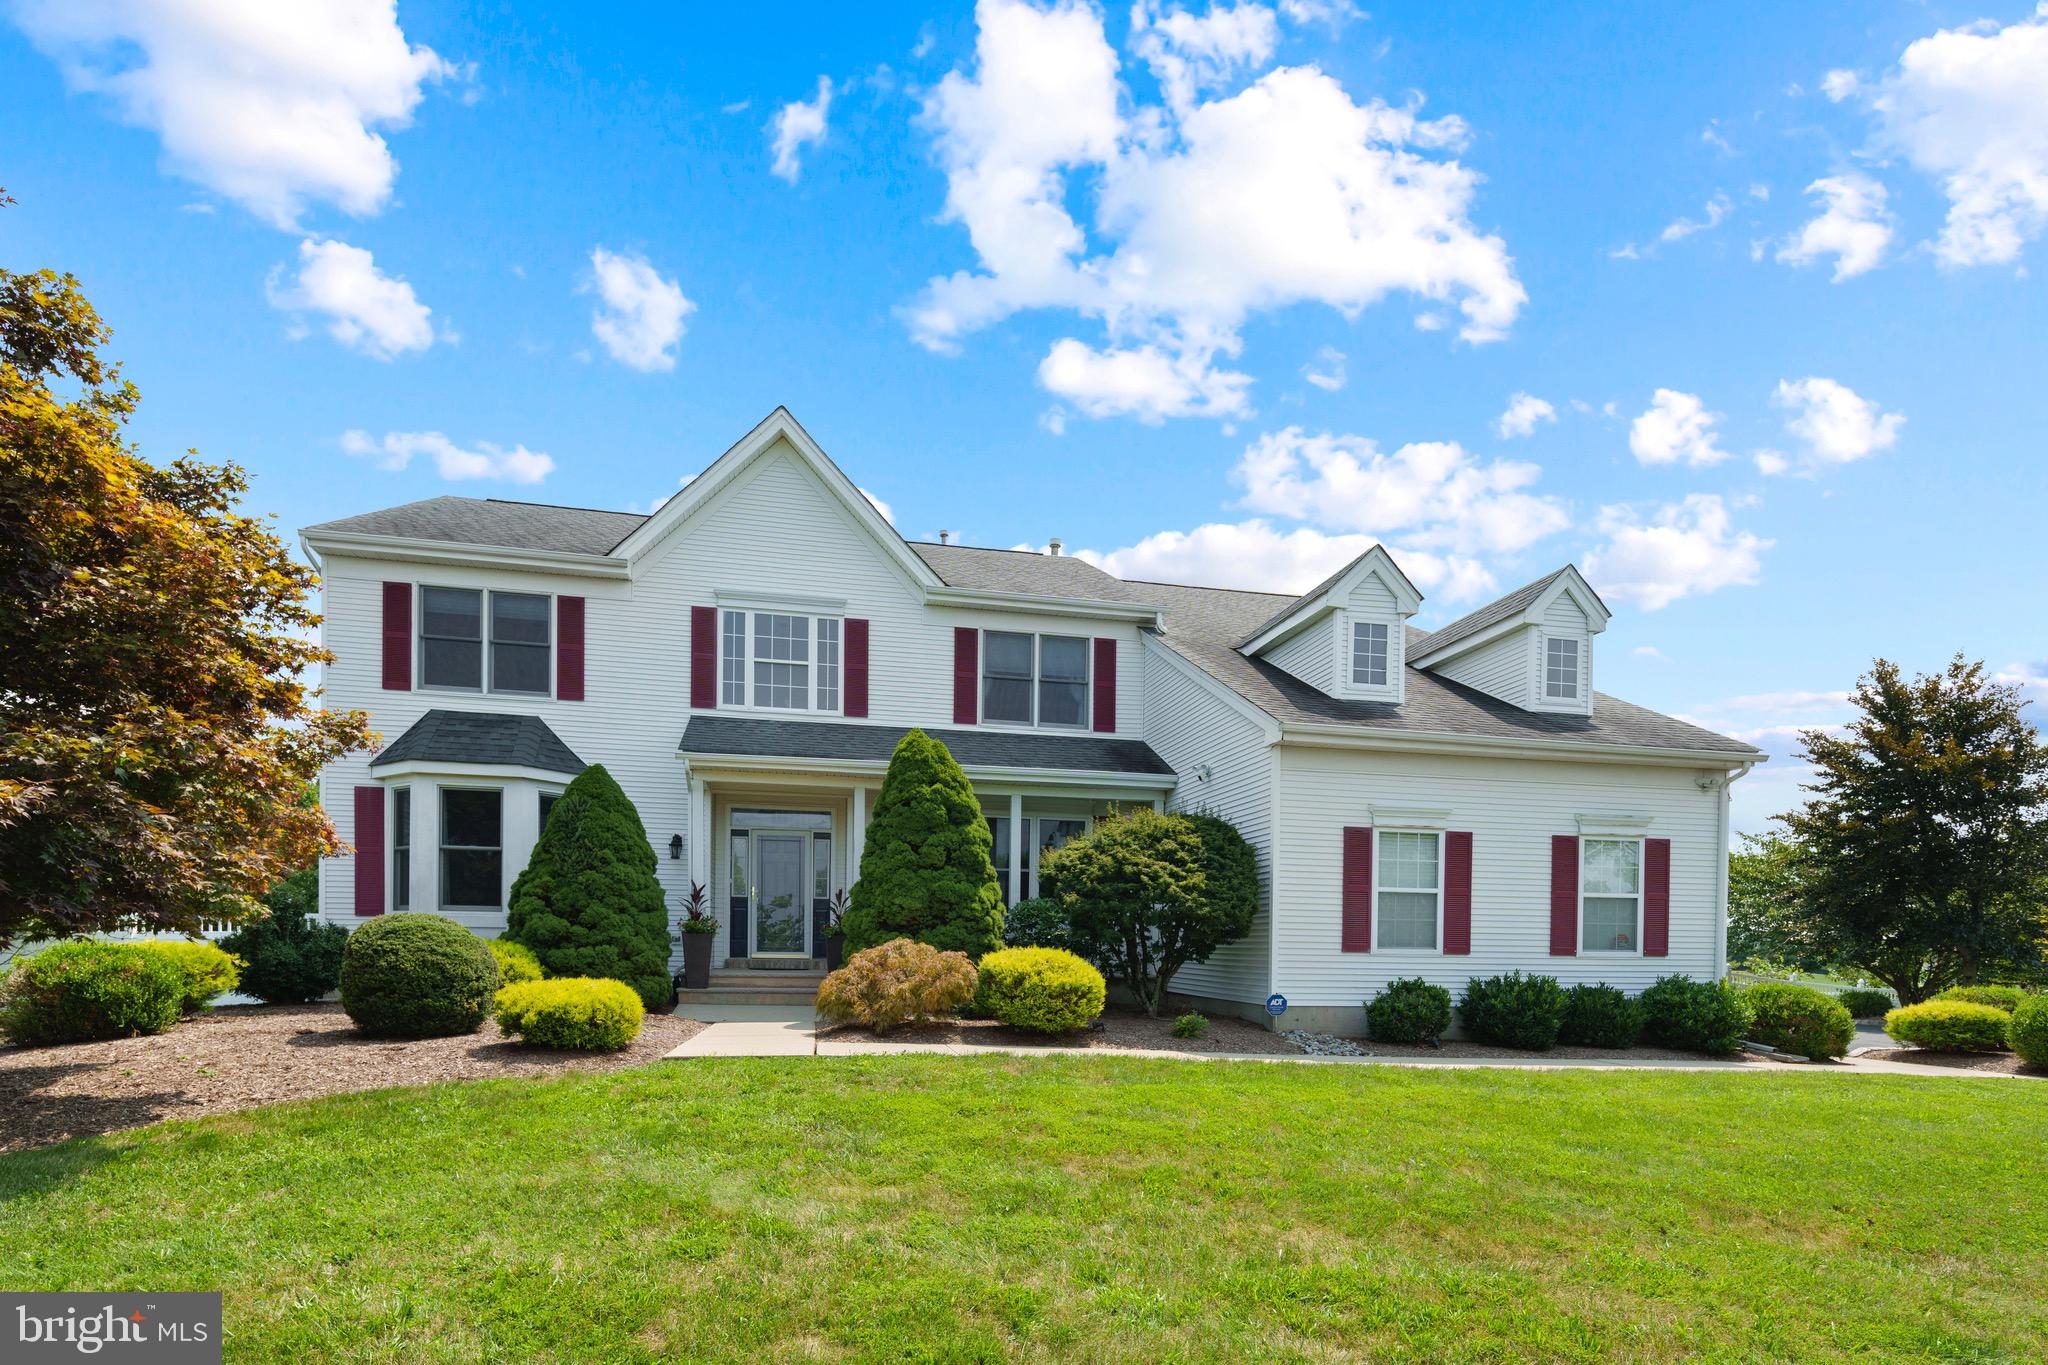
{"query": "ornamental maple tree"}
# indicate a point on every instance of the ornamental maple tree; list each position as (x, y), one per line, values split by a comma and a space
(155, 734)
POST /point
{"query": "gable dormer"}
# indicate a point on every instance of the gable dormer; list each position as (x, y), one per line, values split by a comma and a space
(1533, 648)
(1346, 636)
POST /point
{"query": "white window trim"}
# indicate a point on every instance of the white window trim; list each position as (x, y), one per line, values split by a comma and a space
(484, 664)
(441, 847)
(1379, 864)
(746, 615)
(1642, 871)
(1578, 691)
(1087, 681)
(411, 846)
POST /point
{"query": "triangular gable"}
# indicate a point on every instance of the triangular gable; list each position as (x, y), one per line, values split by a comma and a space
(1333, 592)
(1524, 606)
(1570, 583)
(778, 425)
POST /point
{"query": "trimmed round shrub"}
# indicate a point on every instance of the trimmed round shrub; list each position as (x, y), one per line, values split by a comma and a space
(1693, 1016)
(1950, 1026)
(2007, 998)
(416, 975)
(1863, 1003)
(289, 957)
(1409, 1010)
(1037, 923)
(1191, 1025)
(1798, 1019)
(898, 982)
(516, 962)
(1600, 1016)
(83, 991)
(1514, 1010)
(1046, 990)
(590, 1013)
(207, 970)
(2028, 1032)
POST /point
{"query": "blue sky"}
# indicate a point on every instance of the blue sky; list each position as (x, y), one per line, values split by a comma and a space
(1215, 294)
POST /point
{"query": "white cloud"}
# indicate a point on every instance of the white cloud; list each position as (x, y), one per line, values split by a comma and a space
(1205, 210)
(888, 512)
(1333, 14)
(1434, 494)
(1254, 554)
(1650, 652)
(365, 309)
(1717, 210)
(1191, 53)
(1771, 462)
(1326, 372)
(1148, 382)
(1685, 549)
(274, 106)
(2031, 678)
(640, 317)
(797, 125)
(1855, 227)
(484, 461)
(1676, 426)
(1837, 424)
(1524, 411)
(1839, 84)
(1969, 106)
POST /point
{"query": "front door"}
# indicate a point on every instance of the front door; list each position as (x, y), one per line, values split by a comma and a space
(782, 916)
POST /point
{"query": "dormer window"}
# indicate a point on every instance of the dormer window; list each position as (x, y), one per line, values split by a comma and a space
(1561, 669)
(1368, 654)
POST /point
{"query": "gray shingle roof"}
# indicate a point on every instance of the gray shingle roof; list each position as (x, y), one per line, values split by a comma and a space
(753, 736)
(1493, 613)
(966, 566)
(492, 521)
(482, 737)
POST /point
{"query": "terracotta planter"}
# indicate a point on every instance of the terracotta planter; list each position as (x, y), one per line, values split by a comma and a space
(835, 952)
(697, 961)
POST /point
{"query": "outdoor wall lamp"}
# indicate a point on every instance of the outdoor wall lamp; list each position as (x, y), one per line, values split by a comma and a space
(675, 847)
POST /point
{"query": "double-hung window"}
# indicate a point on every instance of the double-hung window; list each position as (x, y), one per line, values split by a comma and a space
(1610, 895)
(453, 637)
(1368, 654)
(1409, 890)
(1561, 669)
(779, 660)
(521, 659)
(472, 848)
(1034, 679)
(401, 848)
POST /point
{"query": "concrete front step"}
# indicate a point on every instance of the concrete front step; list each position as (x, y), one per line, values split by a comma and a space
(743, 987)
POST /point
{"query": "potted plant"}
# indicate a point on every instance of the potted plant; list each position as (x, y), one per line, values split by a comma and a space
(697, 927)
(835, 933)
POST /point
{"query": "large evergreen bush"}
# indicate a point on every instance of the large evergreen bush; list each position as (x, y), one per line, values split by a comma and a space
(588, 903)
(290, 957)
(925, 872)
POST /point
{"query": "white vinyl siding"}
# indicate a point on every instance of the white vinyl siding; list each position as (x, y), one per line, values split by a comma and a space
(1499, 668)
(1310, 656)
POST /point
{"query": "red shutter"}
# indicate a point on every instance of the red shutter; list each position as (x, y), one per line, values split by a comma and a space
(1357, 936)
(369, 850)
(856, 698)
(704, 658)
(398, 637)
(1564, 895)
(568, 649)
(1457, 893)
(1105, 686)
(1656, 897)
(966, 674)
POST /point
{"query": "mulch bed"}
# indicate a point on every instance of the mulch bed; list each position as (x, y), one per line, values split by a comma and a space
(236, 1058)
(2007, 1062)
(1120, 1029)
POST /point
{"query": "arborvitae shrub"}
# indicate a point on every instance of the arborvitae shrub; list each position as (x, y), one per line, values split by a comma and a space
(925, 872)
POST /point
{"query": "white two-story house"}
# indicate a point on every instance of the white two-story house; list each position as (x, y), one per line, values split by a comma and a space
(1446, 804)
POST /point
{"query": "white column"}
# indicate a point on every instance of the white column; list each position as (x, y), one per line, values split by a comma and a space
(700, 835)
(1016, 847)
(426, 843)
(857, 836)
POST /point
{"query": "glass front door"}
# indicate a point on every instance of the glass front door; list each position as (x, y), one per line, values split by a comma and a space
(781, 908)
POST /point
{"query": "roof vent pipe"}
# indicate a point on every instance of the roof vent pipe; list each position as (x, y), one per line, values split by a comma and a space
(1055, 545)
(945, 537)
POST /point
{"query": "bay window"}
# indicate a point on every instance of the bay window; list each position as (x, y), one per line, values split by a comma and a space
(1034, 679)
(472, 848)
(1408, 889)
(1610, 895)
(779, 660)
(401, 849)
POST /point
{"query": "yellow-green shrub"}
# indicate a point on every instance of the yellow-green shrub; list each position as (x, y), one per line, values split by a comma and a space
(207, 970)
(1046, 990)
(898, 982)
(2029, 1031)
(1950, 1026)
(587, 1012)
(516, 962)
(81, 991)
(2005, 998)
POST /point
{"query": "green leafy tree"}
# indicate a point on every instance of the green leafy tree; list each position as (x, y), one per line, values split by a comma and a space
(1147, 894)
(155, 726)
(1765, 921)
(925, 872)
(588, 903)
(1922, 856)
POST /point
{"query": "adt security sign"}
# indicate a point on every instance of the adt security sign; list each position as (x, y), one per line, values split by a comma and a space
(1276, 1004)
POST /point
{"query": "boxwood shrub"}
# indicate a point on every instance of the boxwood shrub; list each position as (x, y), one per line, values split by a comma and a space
(1409, 1010)
(1950, 1026)
(1046, 990)
(1694, 1016)
(1798, 1019)
(1600, 1016)
(1036, 922)
(206, 969)
(82, 991)
(2007, 998)
(1514, 1010)
(1864, 1003)
(2028, 1032)
(585, 1012)
(290, 957)
(516, 962)
(416, 975)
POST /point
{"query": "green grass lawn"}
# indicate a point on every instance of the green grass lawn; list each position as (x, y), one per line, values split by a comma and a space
(938, 1208)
